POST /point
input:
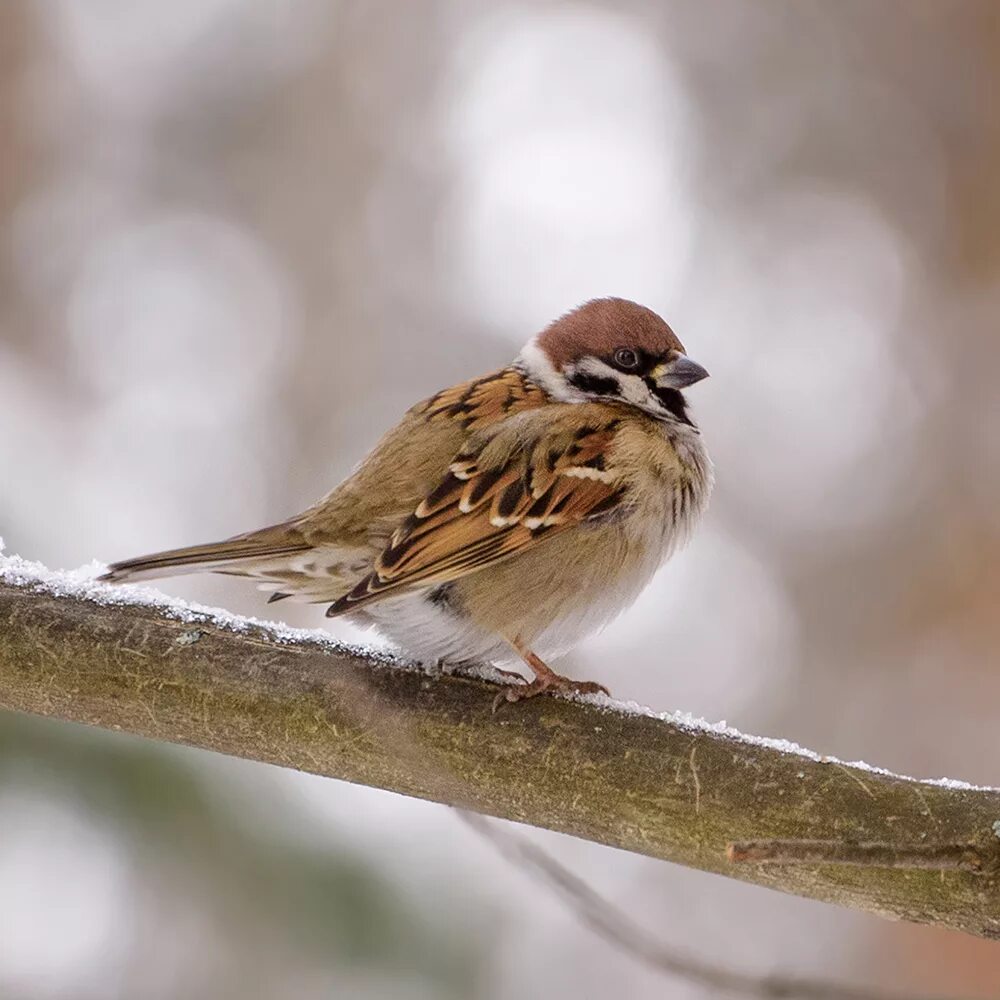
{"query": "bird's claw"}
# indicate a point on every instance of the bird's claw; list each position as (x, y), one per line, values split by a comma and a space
(556, 684)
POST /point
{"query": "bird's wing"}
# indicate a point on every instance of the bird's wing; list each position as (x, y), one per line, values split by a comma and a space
(511, 486)
(356, 518)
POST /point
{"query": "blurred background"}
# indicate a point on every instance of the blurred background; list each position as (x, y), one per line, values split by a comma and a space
(239, 237)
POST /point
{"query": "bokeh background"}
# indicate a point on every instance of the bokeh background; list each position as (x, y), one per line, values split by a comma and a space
(239, 237)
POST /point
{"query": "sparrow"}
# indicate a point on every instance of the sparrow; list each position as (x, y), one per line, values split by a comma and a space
(506, 518)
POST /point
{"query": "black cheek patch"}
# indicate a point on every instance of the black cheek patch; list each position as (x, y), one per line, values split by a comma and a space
(595, 385)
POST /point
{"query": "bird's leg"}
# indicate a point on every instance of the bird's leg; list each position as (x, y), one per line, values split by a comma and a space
(546, 679)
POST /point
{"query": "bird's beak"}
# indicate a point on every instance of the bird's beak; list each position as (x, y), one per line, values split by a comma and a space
(678, 373)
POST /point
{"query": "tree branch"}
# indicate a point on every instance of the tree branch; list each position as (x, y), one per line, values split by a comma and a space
(681, 792)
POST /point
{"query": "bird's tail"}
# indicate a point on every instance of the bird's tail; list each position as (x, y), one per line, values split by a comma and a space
(244, 553)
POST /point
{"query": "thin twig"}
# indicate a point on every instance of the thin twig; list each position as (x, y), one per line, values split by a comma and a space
(610, 923)
(928, 857)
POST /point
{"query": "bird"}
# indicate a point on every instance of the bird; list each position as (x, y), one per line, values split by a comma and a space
(507, 518)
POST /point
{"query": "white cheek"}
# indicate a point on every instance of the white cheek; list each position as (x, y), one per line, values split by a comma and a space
(636, 392)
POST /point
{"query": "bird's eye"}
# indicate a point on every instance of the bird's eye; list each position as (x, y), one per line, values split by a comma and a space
(626, 358)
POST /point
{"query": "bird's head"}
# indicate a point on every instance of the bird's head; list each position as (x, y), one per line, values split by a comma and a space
(613, 350)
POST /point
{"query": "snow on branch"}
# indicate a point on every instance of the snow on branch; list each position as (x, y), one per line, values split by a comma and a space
(665, 785)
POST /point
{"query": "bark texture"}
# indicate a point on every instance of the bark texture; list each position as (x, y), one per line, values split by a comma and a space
(879, 843)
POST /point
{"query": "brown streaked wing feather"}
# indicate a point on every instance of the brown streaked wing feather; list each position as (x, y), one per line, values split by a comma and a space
(483, 401)
(505, 491)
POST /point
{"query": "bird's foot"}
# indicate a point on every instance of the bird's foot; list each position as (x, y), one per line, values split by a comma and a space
(560, 685)
(546, 679)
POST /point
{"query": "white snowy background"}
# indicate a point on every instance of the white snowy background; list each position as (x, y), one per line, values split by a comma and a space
(239, 237)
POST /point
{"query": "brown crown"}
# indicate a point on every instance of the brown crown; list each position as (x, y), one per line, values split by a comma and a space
(600, 326)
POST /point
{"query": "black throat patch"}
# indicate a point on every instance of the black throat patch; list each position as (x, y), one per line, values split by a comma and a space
(673, 402)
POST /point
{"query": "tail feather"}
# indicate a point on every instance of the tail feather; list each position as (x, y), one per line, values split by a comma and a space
(281, 540)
